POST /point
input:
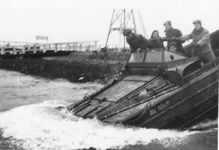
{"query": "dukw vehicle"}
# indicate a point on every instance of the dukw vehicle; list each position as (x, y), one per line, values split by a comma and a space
(159, 90)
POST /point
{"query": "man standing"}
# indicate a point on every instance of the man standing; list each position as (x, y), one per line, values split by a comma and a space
(201, 42)
(173, 33)
(137, 44)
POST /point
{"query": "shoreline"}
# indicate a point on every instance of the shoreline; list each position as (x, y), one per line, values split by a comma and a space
(78, 67)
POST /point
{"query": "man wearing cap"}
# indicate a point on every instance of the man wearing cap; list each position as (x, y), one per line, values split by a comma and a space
(173, 33)
(201, 42)
(137, 43)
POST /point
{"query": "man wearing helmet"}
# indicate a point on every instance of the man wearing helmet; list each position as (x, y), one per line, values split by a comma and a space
(137, 43)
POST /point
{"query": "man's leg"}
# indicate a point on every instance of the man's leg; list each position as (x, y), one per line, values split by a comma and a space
(138, 57)
(207, 57)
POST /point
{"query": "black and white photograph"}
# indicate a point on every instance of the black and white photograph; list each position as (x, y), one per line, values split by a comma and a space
(109, 74)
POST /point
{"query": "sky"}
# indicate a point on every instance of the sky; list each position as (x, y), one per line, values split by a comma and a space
(89, 20)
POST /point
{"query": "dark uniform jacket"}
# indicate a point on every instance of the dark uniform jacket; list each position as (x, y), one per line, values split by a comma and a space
(175, 33)
(137, 41)
(156, 43)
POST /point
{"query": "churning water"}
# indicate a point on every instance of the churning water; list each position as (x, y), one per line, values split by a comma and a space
(29, 121)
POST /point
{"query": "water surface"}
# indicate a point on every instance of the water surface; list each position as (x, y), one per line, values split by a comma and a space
(29, 121)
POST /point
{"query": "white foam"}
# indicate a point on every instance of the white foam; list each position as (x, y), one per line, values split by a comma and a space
(39, 126)
(205, 125)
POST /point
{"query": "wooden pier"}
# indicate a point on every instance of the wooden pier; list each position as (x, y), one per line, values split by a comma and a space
(10, 49)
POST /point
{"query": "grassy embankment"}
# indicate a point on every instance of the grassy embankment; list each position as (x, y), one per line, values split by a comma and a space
(77, 67)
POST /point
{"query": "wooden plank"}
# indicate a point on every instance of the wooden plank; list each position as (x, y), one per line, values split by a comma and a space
(86, 111)
(119, 90)
(139, 78)
(103, 106)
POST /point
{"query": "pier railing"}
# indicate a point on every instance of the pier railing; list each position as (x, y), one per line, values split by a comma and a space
(10, 47)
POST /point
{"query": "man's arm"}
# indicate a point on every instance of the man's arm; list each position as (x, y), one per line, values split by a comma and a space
(204, 39)
(187, 37)
(131, 48)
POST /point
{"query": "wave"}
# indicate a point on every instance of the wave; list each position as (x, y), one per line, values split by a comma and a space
(205, 125)
(39, 126)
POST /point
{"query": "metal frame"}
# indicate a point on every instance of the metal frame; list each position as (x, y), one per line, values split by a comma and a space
(125, 16)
